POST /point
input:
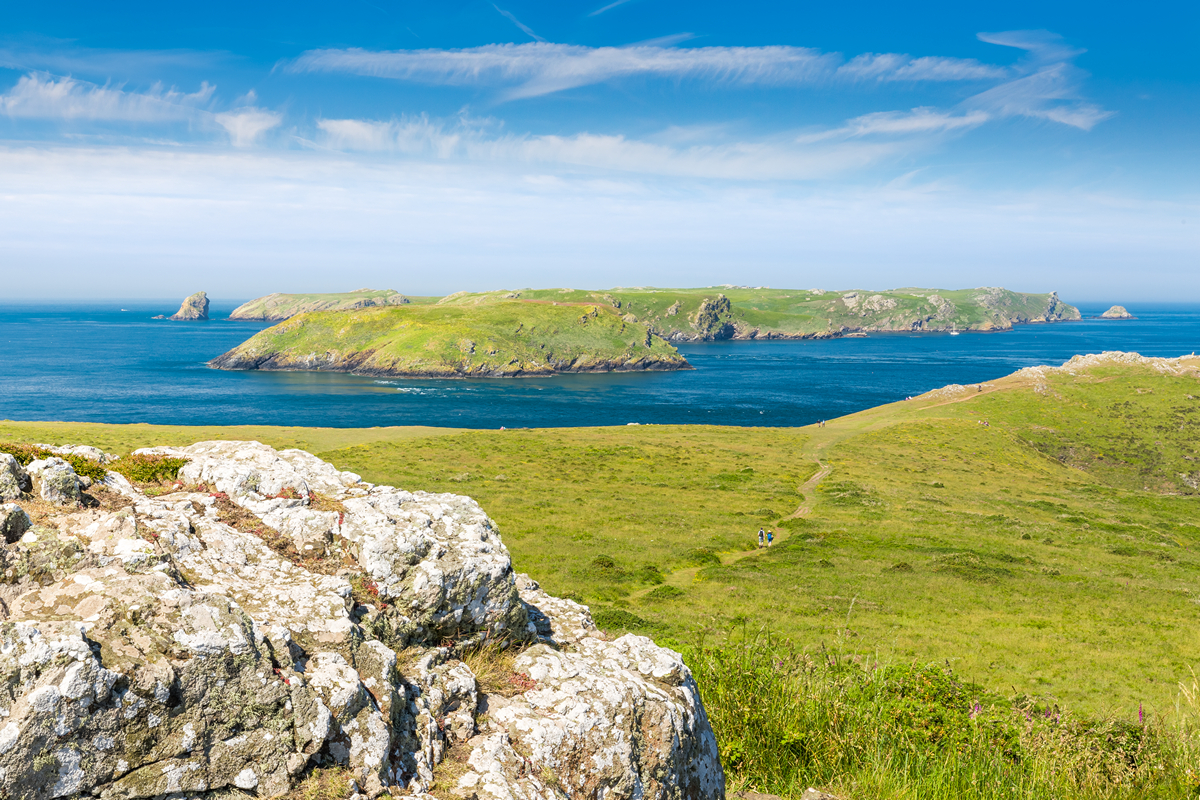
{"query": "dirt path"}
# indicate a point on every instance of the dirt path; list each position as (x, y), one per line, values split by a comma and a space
(819, 439)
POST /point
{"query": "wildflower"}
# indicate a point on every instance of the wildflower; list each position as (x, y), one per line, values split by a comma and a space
(1141, 715)
(976, 710)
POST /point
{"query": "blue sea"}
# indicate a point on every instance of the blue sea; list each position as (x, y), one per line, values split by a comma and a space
(110, 362)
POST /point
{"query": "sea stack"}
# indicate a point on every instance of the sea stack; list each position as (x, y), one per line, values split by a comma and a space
(1117, 312)
(194, 307)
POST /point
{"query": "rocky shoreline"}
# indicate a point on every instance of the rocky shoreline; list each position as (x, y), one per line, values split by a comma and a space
(358, 364)
(266, 615)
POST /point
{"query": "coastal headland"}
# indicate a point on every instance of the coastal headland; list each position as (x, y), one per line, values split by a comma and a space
(496, 338)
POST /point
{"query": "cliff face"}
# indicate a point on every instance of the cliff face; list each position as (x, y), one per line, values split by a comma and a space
(270, 615)
(194, 307)
(279, 306)
(498, 339)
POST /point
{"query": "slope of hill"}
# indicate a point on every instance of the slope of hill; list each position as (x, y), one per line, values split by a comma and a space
(280, 306)
(745, 313)
(501, 338)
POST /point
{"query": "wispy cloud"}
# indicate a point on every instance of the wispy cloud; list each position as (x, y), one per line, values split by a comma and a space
(608, 7)
(776, 158)
(42, 96)
(1050, 88)
(918, 121)
(246, 125)
(530, 70)
(525, 29)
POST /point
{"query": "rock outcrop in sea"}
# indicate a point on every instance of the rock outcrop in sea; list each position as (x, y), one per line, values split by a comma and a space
(1117, 312)
(194, 307)
(268, 614)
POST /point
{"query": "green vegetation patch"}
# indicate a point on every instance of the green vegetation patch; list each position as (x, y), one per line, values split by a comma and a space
(503, 338)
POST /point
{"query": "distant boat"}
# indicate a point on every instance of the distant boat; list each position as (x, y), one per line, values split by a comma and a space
(954, 333)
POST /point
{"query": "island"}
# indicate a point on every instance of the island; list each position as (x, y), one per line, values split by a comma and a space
(194, 307)
(739, 312)
(457, 337)
(278, 306)
(1117, 312)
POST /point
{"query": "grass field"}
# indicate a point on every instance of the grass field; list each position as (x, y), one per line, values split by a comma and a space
(1052, 553)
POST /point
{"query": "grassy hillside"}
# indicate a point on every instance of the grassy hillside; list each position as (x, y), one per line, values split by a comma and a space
(501, 338)
(278, 306)
(1029, 547)
(745, 313)
(1028, 552)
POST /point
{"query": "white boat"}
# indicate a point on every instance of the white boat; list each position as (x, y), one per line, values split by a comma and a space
(954, 333)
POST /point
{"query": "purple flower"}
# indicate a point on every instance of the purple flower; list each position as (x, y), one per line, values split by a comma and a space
(976, 710)
(1141, 715)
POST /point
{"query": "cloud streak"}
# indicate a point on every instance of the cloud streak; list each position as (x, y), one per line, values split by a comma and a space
(525, 29)
(541, 68)
(42, 96)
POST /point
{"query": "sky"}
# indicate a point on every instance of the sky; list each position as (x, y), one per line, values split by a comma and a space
(429, 148)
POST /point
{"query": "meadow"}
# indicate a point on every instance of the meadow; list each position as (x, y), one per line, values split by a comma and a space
(986, 591)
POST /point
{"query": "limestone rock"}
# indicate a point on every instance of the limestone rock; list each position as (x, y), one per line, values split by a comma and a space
(165, 648)
(55, 481)
(13, 522)
(193, 307)
(1117, 312)
(14, 480)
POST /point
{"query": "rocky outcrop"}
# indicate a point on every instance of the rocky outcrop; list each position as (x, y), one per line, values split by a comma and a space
(194, 307)
(1117, 312)
(276, 614)
(55, 481)
(14, 480)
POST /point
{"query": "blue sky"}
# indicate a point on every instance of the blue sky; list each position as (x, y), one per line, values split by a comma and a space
(476, 145)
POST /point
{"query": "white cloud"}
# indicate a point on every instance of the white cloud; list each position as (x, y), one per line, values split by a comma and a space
(539, 68)
(257, 221)
(41, 96)
(480, 141)
(245, 125)
(901, 123)
(1051, 93)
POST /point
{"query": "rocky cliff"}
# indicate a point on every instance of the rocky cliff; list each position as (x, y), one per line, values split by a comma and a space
(194, 307)
(266, 615)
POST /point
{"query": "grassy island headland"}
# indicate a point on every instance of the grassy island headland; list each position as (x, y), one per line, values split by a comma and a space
(278, 306)
(732, 312)
(497, 338)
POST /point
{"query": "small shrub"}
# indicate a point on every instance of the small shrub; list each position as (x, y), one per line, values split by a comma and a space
(25, 453)
(618, 619)
(703, 557)
(766, 513)
(143, 468)
(900, 566)
(665, 593)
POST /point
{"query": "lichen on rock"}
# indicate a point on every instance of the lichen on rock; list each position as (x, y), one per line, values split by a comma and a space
(189, 643)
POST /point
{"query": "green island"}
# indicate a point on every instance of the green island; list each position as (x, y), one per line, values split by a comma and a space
(986, 591)
(494, 338)
(278, 306)
(547, 331)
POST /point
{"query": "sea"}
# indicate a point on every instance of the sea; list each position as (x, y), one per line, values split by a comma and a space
(111, 362)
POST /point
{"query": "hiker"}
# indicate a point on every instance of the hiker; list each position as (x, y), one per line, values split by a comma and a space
(760, 537)
(770, 538)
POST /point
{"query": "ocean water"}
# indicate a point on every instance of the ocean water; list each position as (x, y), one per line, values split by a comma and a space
(111, 362)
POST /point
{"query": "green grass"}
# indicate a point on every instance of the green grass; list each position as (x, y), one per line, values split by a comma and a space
(496, 338)
(749, 313)
(279, 306)
(1048, 558)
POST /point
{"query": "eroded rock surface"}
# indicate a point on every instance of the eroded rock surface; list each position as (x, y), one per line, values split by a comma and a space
(275, 614)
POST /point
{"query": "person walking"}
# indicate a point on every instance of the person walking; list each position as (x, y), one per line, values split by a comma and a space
(770, 538)
(761, 537)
